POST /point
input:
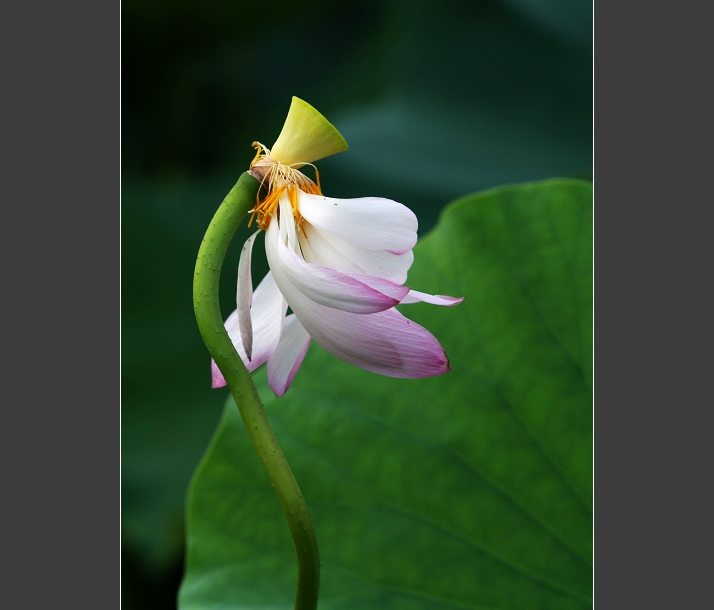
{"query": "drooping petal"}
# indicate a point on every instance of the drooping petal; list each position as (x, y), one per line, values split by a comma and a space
(349, 291)
(435, 299)
(267, 315)
(373, 223)
(385, 342)
(323, 249)
(244, 296)
(287, 358)
(356, 293)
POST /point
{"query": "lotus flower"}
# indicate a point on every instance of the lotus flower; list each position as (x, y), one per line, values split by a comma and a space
(339, 264)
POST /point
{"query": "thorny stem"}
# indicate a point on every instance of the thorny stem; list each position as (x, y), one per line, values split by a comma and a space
(211, 254)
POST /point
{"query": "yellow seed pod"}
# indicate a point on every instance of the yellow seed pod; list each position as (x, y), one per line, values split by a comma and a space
(307, 136)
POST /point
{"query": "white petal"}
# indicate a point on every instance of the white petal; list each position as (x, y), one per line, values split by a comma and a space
(385, 342)
(372, 223)
(244, 295)
(323, 249)
(287, 222)
(435, 299)
(352, 292)
(287, 358)
(267, 315)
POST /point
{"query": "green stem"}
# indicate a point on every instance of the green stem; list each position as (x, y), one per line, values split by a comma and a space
(210, 322)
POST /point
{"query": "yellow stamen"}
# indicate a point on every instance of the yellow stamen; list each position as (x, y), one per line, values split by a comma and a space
(277, 178)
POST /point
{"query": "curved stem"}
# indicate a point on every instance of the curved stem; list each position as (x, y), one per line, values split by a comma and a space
(210, 322)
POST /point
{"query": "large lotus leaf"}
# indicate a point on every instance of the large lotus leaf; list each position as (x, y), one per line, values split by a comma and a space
(468, 490)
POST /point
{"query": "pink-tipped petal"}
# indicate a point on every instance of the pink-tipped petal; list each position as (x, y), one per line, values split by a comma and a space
(351, 292)
(329, 251)
(244, 296)
(372, 223)
(435, 299)
(385, 342)
(217, 380)
(287, 358)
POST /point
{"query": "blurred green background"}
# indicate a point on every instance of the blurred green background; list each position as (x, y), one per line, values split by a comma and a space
(437, 99)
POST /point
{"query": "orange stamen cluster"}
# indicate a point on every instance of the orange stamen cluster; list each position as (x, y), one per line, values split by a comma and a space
(279, 178)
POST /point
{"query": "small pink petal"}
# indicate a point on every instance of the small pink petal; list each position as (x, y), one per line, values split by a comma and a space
(434, 299)
(287, 358)
(217, 377)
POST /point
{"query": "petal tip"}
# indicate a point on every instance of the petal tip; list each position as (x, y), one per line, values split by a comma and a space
(217, 379)
(449, 301)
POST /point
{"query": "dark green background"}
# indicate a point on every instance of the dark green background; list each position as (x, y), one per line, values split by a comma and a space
(437, 99)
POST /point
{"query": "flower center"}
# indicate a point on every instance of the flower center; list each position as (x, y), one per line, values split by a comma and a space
(278, 178)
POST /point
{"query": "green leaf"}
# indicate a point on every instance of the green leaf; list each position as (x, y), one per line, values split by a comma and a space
(470, 490)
